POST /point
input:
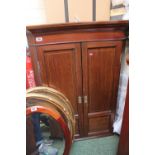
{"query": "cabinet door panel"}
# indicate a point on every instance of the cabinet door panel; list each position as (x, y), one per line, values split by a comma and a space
(99, 123)
(60, 73)
(101, 66)
(60, 67)
(100, 73)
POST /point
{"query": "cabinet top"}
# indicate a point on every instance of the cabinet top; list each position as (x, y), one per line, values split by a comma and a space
(112, 25)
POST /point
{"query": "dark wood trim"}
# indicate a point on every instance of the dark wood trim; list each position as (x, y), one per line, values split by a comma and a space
(85, 86)
(124, 24)
(123, 148)
(121, 38)
(30, 138)
(98, 114)
(98, 133)
(73, 41)
(93, 137)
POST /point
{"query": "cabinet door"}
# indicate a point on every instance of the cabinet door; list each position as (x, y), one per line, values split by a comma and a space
(101, 68)
(60, 67)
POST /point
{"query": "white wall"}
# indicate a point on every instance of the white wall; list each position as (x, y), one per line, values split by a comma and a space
(35, 12)
(52, 11)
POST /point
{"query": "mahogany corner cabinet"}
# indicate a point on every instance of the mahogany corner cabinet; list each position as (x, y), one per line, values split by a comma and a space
(82, 60)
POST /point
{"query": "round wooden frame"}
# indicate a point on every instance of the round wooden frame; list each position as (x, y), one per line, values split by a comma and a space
(59, 119)
(54, 98)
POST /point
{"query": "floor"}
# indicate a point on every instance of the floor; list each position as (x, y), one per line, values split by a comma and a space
(98, 146)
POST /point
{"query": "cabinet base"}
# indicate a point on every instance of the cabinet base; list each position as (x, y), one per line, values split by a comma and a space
(92, 137)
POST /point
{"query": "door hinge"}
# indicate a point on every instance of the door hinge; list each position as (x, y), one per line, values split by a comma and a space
(79, 99)
(85, 99)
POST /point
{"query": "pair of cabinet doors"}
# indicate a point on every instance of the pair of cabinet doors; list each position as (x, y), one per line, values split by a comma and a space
(88, 74)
